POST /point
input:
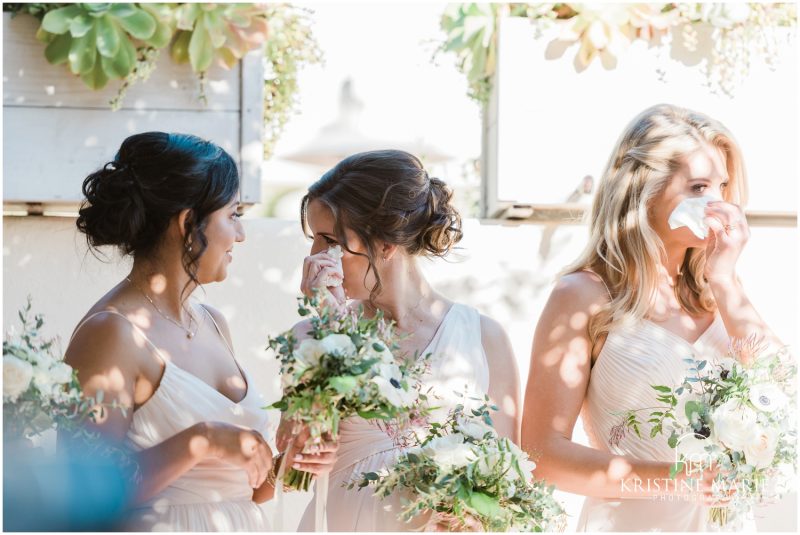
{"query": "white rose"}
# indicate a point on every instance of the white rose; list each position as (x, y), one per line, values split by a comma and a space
(17, 376)
(760, 451)
(733, 424)
(337, 344)
(473, 428)
(768, 397)
(309, 352)
(450, 452)
(393, 392)
(61, 373)
(43, 380)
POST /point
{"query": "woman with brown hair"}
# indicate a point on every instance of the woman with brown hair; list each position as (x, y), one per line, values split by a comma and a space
(385, 212)
(195, 422)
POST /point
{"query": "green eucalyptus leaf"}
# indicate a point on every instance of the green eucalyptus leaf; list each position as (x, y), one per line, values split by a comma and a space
(484, 504)
(109, 37)
(58, 20)
(80, 25)
(57, 51)
(343, 384)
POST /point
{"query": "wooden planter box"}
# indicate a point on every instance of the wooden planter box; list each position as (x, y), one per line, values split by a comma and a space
(56, 130)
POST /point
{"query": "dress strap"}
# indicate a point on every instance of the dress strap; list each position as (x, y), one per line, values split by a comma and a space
(135, 327)
(216, 326)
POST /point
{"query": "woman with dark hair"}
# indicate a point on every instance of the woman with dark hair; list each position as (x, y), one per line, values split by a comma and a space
(195, 421)
(384, 211)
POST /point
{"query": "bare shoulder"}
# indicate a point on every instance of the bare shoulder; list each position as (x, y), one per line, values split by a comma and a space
(492, 331)
(106, 341)
(497, 345)
(580, 291)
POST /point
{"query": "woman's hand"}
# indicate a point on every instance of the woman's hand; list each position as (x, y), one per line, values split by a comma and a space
(317, 459)
(728, 235)
(242, 447)
(319, 271)
(702, 487)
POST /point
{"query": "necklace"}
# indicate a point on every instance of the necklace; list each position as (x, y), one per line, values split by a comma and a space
(410, 310)
(189, 333)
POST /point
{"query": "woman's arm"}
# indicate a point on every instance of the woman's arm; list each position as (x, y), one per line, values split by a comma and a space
(557, 383)
(110, 355)
(503, 379)
(725, 244)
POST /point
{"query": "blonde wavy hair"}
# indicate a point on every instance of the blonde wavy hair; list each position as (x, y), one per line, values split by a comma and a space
(623, 248)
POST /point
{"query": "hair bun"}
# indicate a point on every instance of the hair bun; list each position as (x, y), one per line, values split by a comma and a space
(113, 212)
(443, 230)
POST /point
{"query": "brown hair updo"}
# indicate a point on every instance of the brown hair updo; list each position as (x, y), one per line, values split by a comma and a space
(387, 195)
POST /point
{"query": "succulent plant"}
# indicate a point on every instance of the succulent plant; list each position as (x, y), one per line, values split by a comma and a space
(224, 31)
(99, 41)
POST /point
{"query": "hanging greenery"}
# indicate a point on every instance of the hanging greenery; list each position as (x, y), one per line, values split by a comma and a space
(603, 31)
(291, 47)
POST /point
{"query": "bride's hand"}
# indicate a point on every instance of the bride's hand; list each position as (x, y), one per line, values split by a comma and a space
(319, 270)
(728, 235)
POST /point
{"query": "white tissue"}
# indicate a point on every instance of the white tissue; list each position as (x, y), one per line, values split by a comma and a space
(336, 253)
(690, 213)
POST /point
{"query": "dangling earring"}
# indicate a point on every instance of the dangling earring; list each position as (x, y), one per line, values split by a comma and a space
(189, 249)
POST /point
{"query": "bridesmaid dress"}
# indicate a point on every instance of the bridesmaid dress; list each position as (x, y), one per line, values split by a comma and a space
(214, 495)
(633, 358)
(458, 361)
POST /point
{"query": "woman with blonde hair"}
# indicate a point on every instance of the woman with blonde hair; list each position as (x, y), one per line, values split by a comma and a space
(641, 297)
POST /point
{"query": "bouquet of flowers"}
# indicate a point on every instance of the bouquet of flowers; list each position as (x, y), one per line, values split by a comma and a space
(41, 392)
(468, 477)
(345, 368)
(737, 413)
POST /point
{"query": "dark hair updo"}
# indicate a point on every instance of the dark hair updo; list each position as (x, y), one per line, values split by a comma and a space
(154, 176)
(387, 195)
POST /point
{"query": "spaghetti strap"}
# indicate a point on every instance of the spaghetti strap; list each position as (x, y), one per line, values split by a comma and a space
(216, 326)
(135, 327)
(601, 280)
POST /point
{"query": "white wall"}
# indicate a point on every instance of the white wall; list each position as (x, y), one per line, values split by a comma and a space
(505, 271)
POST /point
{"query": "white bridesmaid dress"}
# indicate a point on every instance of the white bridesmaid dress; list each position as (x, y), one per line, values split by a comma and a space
(214, 495)
(458, 362)
(633, 358)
